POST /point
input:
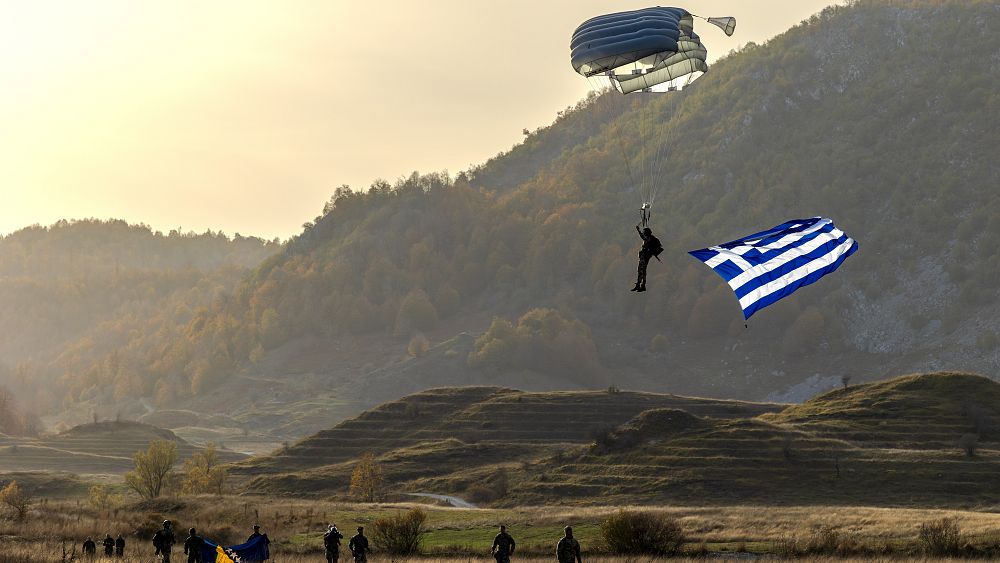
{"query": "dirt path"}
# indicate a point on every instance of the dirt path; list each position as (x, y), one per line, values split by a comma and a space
(454, 501)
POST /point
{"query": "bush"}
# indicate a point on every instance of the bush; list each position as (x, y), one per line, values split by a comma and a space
(969, 443)
(401, 534)
(481, 494)
(827, 540)
(642, 533)
(940, 537)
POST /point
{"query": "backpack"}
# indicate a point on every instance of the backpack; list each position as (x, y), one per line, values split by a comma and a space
(655, 248)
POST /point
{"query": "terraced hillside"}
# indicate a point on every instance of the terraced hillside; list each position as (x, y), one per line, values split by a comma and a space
(463, 430)
(897, 442)
(103, 447)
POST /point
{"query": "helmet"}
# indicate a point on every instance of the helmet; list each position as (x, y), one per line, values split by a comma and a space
(647, 231)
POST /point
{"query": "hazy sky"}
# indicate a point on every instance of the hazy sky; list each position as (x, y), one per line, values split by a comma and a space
(244, 116)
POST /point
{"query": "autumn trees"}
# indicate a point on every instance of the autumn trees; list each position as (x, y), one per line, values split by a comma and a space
(154, 471)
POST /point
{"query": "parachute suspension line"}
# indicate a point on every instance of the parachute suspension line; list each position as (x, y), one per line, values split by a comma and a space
(617, 128)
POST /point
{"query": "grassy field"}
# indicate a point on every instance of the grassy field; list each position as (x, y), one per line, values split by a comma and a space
(296, 527)
(54, 554)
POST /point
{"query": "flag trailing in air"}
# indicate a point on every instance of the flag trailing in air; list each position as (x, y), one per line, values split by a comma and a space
(767, 266)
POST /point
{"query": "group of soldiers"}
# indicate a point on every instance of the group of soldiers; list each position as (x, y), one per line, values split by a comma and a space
(567, 550)
(112, 547)
(358, 545)
(163, 544)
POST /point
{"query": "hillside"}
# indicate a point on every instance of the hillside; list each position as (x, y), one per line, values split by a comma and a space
(84, 301)
(441, 431)
(853, 114)
(899, 442)
(102, 447)
(890, 443)
(829, 118)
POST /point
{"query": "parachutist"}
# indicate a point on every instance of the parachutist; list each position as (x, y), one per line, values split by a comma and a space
(651, 248)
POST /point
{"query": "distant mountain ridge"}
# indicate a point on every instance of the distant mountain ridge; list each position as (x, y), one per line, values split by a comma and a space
(854, 114)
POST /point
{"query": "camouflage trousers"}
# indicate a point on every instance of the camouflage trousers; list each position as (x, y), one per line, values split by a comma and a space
(643, 262)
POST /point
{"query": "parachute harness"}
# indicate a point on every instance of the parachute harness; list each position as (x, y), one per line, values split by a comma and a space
(644, 214)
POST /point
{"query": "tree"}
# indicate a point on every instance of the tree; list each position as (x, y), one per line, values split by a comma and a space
(845, 380)
(203, 474)
(418, 346)
(152, 468)
(366, 481)
(17, 499)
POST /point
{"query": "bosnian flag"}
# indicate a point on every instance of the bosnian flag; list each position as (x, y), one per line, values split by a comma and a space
(764, 267)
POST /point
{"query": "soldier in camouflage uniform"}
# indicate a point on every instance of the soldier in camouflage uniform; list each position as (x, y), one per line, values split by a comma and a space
(503, 546)
(568, 549)
(359, 546)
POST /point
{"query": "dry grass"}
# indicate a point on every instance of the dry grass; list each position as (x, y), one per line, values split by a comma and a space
(54, 554)
(296, 526)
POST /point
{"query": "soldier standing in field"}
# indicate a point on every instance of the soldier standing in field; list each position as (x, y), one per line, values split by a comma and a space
(109, 545)
(359, 546)
(331, 541)
(503, 546)
(89, 547)
(568, 549)
(193, 546)
(120, 546)
(163, 541)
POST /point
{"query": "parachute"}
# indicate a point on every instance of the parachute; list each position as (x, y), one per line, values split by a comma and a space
(644, 50)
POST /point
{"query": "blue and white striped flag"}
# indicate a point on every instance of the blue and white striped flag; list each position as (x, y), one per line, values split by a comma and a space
(764, 267)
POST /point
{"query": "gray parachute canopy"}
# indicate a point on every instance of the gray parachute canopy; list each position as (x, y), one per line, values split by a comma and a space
(659, 44)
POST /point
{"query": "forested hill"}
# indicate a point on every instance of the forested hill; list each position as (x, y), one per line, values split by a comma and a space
(861, 114)
(77, 297)
(885, 118)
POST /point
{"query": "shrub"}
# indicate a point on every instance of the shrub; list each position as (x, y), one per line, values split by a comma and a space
(969, 443)
(642, 533)
(401, 534)
(940, 537)
(827, 540)
(481, 494)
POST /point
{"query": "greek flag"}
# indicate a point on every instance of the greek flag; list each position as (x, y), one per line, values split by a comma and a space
(767, 266)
